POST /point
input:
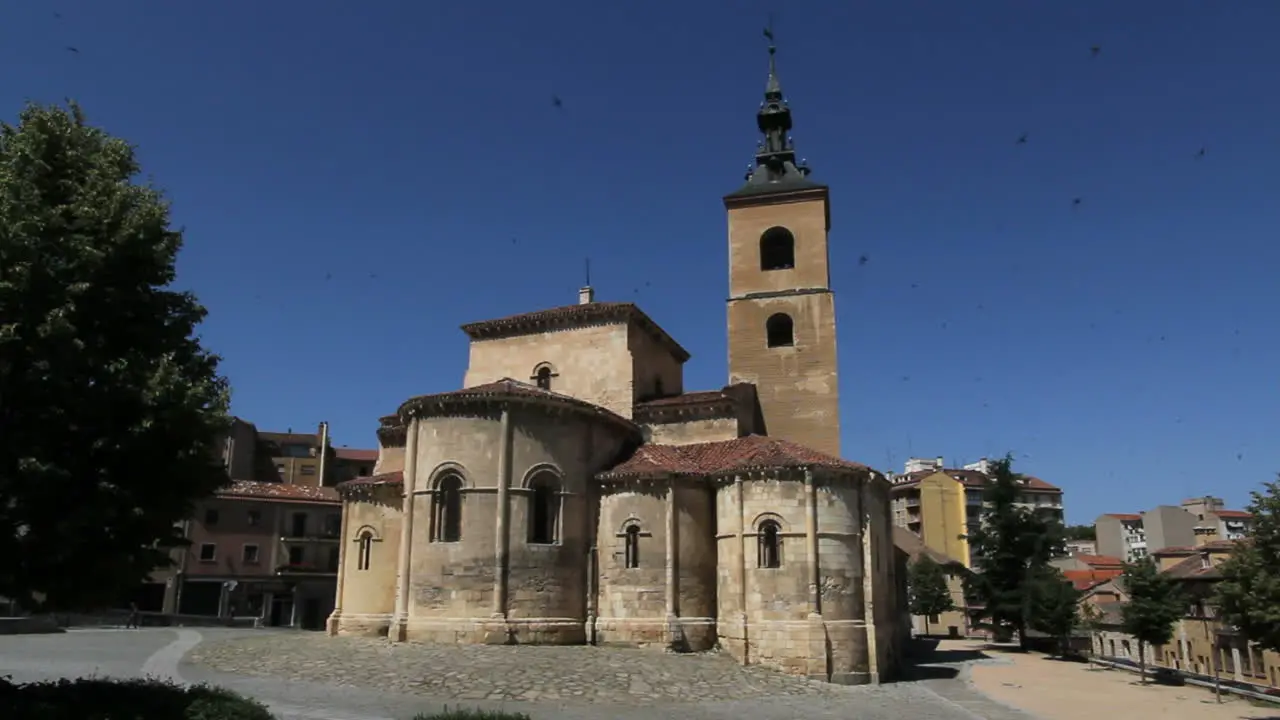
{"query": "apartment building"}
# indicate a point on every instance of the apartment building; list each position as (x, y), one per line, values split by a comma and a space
(266, 547)
(1197, 521)
(942, 506)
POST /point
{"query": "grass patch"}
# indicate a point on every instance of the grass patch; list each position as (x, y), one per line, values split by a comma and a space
(470, 714)
(108, 699)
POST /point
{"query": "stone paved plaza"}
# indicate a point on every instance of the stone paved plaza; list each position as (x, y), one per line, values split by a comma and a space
(307, 676)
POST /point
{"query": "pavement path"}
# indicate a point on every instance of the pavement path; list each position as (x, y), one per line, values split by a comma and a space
(307, 676)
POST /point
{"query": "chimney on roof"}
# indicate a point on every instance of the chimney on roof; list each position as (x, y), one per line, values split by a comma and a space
(586, 295)
(940, 462)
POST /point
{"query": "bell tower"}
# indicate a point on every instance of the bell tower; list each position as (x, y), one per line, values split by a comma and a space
(782, 318)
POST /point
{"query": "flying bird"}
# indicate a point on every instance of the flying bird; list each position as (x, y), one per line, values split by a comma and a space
(1022, 139)
(1075, 203)
(1094, 50)
(74, 50)
(863, 260)
(556, 101)
(1201, 153)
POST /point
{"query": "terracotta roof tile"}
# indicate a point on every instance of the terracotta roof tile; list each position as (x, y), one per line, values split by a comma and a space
(572, 316)
(249, 489)
(387, 478)
(1087, 579)
(913, 545)
(1124, 516)
(355, 454)
(1193, 568)
(1242, 514)
(1099, 562)
(278, 438)
(1173, 550)
(704, 403)
(753, 452)
(509, 389)
(974, 479)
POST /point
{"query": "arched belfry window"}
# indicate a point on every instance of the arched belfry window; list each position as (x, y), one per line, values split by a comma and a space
(446, 510)
(769, 545)
(777, 249)
(544, 509)
(780, 331)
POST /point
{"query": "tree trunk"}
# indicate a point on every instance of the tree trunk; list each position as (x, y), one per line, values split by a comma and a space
(1022, 635)
(926, 626)
(1142, 663)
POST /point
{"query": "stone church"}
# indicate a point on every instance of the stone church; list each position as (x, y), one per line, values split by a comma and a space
(574, 492)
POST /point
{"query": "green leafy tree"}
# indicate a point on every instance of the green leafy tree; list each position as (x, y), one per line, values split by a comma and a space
(109, 406)
(927, 589)
(1054, 607)
(1080, 532)
(1155, 605)
(1248, 597)
(1011, 549)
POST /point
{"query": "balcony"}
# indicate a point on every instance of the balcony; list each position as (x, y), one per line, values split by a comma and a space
(315, 537)
(307, 569)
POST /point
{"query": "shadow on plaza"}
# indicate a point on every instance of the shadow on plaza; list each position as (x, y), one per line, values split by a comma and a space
(925, 661)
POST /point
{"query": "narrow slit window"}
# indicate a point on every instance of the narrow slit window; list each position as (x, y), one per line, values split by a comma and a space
(544, 510)
(631, 551)
(447, 515)
(364, 550)
(769, 553)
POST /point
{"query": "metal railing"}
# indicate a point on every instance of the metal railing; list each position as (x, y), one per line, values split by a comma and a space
(1235, 687)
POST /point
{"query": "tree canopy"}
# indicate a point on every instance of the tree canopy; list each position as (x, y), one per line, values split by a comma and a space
(927, 588)
(1248, 597)
(109, 405)
(1054, 611)
(1080, 532)
(1011, 549)
(1155, 605)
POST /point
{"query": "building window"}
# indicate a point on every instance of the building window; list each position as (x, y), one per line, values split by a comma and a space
(769, 540)
(280, 468)
(365, 546)
(208, 552)
(335, 557)
(657, 386)
(296, 555)
(308, 469)
(364, 471)
(446, 511)
(250, 555)
(299, 527)
(210, 518)
(254, 518)
(780, 330)
(544, 509)
(333, 524)
(631, 552)
(777, 249)
(542, 375)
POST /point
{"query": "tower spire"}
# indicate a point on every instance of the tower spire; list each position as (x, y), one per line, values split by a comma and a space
(775, 161)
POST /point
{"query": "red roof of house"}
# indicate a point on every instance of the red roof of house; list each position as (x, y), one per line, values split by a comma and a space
(1124, 516)
(355, 454)
(1099, 562)
(753, 452)
(1086, 579)
(280, 492)
(975, 479)
(387, 478)
(1243, 514)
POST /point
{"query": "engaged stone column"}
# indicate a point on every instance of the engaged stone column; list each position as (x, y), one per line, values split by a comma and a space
(399, 623)
(673, 546)
(502, 537)
(335, 617)
(811, 543)
(741, 570)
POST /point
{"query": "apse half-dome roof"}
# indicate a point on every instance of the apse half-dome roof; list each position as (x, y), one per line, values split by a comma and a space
(508, 391)
(744, 454)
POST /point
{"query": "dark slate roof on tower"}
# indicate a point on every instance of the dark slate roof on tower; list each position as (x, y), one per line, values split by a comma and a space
(776, 169)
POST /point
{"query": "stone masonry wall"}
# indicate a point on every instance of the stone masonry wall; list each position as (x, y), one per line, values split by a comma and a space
(368, 595)
(694, 431)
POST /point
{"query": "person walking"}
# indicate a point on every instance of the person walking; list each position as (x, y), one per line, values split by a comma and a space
(132, 622)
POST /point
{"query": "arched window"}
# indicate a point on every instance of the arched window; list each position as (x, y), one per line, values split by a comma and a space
(631, 550)
(544, 509)
(364, 550)
(779, 331)
(446, 510)
(777, 249)
(769, 551)
(543, 377)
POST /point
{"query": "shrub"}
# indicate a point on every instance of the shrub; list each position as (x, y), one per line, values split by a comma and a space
(108, 699)
(470, 714)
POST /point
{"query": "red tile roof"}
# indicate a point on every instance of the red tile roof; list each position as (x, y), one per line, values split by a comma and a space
(280, 492)
(1098, 562)
(355, 454)
(509, 390)
(1087, 579)
(575, 316)
(753, 452)
(1124, 516)
(974, 479)
(1193, 568)
(701, 404)
(1242, 514)
(387, 478)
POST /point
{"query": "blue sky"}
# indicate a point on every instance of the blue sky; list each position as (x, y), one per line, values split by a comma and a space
(351, 177)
